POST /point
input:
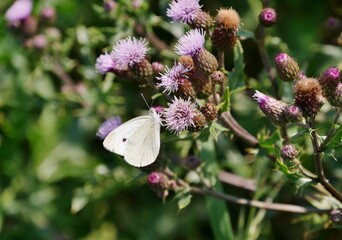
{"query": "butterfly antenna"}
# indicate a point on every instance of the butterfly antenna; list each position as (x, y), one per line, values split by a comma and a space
(145, 100)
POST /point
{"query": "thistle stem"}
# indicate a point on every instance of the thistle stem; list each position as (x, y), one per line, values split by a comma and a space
(254, 203)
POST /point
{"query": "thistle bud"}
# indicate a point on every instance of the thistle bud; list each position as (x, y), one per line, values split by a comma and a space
(142, 71)
(157, 67)
(287, 68)
(333, 25)
(209, 111)
(159, 183)
(201, 20)
(48, 15)
(227, 25)
(292, 113)
(329, 81)
(271, 107)
(185, 89)
(192, 162)
(268, 17)
(217, 77)
(201, 84)
(289, 152)
(39, 41)
(308, 96)
(336, 216)
(199, 122)
(205, 62)
(186, 61)
(109, 5)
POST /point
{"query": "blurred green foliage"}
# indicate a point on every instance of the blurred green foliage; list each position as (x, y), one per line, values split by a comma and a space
(56, 179)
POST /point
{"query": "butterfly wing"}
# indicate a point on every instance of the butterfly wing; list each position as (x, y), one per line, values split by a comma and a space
(144, 145)
(117, 140)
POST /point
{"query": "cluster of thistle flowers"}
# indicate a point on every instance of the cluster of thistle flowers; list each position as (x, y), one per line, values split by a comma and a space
(309, 96)
(20, 19)
(193, 75)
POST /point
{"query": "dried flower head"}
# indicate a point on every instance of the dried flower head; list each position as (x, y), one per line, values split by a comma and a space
(179, 115)
(271, 107)
(227, 25)
(308, 96)
(191, 43)
(287, 68)
(183, 10)
(268, 17)
(107, 126)
(170, 79)
(129, 51)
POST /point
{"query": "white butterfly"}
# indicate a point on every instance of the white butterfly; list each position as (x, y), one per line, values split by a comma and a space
(137, 140)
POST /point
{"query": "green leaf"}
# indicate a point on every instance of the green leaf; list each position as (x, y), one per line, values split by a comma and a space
(336, 140)
(184, 200)
(217, 209)
(236, 76)
(225, 105)
(216, 129)
(244, 34)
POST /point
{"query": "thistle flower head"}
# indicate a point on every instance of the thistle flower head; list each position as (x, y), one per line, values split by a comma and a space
(183, 10)
(191, 43)
(107, 126)
(105, 63)
(129, 51)
(19, 10)
(170, 79)
(229, 18)
(268, 17)
(179, 115)
(271, 107)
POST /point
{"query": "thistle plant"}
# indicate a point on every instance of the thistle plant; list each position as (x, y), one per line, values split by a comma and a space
(248, 121)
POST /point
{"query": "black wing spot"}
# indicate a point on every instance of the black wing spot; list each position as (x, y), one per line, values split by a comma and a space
(124, 139)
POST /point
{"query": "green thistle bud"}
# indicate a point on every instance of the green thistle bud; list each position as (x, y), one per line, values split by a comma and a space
(205, 62)
(201, 20)
(142, 71)
(185, 89)
(217, 77)
(308, 96)
(289, 152)
(201, 83)
(199, 122)
(227, 25)
(209, 110)
(287, 68)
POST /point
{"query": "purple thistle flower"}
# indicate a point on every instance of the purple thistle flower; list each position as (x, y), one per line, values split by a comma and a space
(129, 51)
(170, 79)
(105, 63)
(179, 115)
(191, 43)
(107, 126)
(19, 10)
(183, 10)
(268, 17)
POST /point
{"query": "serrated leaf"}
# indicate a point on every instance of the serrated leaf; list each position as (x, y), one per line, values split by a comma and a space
(299, 136)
